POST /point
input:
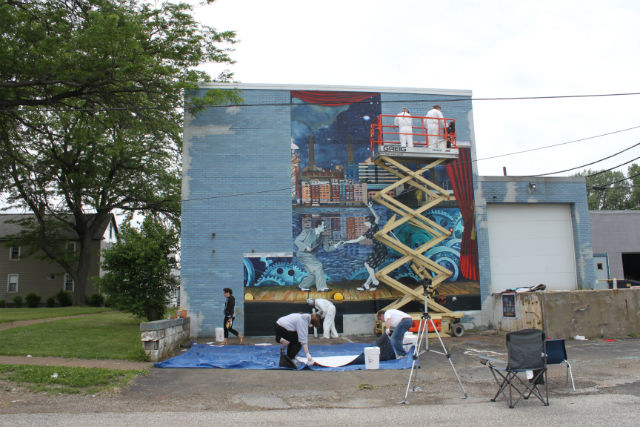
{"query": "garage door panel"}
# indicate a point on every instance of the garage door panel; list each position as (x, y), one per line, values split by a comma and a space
(531, 244)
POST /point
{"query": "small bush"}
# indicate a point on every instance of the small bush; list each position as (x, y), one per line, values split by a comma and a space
(51, 302)
(3, 303)
(33, 299)
(17, 300)
(96, 300)
(65, 299)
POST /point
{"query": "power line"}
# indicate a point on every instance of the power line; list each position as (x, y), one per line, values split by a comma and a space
(388, 101)
(604, 186)
(597, 161)
(236, 194)
(614, 167)
(559, 144)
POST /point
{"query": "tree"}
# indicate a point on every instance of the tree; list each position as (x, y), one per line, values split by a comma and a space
(92, 96)
(612, 190)
(139, 269)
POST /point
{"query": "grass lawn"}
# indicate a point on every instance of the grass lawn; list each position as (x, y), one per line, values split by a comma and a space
(111, 335)
(15, 314)
(64, 379)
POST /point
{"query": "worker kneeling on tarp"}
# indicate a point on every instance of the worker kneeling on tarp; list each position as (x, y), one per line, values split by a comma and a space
(292, 333)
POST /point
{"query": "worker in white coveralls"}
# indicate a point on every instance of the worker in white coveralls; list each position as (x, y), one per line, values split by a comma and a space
(327, 311)
(434, 124)
(404, 123)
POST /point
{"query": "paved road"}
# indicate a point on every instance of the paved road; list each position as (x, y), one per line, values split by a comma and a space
(592, 410)
(607, 376)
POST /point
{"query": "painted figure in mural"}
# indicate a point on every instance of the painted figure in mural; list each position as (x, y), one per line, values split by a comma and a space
(229, 315)
(308, 243)
(292, 333)
(379, 253)
(327, 311)
(400, 322)
(434, 127)
(404, 123)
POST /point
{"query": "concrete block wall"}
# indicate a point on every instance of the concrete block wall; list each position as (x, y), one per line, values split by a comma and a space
(566, 190)
(161, 337)
(237, 184)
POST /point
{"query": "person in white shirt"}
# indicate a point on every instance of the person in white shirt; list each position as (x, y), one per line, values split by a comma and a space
(435, 127)
(327, 311)
(404, 123)
(400, 322)
(292, 332)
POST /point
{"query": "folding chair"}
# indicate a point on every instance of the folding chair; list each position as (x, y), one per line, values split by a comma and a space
(557, 354)
(526, 358)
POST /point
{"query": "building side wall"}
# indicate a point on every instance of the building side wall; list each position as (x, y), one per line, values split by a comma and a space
(509, 190)
(615, 233)
(35, 274)
(236, 184)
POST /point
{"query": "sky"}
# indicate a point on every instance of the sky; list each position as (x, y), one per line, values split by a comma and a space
(494, 48)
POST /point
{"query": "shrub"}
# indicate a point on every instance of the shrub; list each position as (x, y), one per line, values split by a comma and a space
(96, 300)
(3, 303)
(65, 299)
(17, 300)
(51, 302)
(32, 299)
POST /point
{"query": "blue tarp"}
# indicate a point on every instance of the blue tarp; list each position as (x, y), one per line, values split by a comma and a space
(268, 357)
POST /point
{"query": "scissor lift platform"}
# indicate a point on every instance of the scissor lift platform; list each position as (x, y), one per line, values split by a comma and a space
(390, 155)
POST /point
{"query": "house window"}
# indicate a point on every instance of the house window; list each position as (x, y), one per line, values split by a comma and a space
(68, 283)
(12, 283)
(71, 246)
(14, 252)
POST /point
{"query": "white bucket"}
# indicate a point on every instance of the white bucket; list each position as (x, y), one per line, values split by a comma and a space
(372, 357)
(409, 340)
(219, 334)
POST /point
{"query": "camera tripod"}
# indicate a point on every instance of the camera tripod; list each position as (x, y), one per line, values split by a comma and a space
(423, 336)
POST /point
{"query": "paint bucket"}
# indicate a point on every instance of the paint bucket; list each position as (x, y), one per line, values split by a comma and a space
(219, 334)
(409, 340)
(372, 357)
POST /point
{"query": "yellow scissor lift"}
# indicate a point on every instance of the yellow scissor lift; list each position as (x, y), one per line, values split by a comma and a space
(390, 156)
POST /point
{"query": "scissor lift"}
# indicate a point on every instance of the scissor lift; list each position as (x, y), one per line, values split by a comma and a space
(387, 153)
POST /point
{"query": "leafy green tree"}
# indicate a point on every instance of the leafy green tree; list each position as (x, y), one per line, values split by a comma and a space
(92, 102)
(139, 269)
(613, 190)
(634, 197)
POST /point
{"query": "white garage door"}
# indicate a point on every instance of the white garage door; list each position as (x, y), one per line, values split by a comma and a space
(531, 244)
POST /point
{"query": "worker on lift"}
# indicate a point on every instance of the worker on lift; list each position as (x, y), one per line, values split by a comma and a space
(404, 123)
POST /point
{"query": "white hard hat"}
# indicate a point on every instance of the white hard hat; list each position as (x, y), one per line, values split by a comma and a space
(310, 301)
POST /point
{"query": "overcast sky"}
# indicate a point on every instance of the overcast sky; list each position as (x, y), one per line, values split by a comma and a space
(493, 48)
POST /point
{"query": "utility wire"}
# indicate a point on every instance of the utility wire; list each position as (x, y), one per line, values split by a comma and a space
(604, 186)
(235, 195)
(559, 144)
(367, 101)
(597, 161)
(611, 168)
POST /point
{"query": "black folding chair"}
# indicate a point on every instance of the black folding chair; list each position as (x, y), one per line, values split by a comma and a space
(525, 371)
(557, 355)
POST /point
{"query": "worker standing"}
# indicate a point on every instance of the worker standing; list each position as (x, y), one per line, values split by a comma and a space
(327, 311)
(404, 123)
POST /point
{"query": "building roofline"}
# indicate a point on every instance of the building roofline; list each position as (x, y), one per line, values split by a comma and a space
(281, 86)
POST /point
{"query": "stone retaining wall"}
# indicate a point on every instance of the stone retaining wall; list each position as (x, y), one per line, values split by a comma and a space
(162, 337)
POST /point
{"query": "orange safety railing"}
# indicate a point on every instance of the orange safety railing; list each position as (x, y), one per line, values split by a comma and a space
(384, 131)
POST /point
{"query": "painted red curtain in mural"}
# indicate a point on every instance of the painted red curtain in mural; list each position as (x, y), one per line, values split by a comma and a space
(330, 98)
(459, 172)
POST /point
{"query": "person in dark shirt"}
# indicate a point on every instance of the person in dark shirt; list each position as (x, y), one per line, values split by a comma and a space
(229, 315)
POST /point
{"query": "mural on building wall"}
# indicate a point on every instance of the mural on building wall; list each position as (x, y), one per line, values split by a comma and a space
(333, 180)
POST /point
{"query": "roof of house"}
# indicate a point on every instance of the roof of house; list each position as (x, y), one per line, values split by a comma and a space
(9, 227)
